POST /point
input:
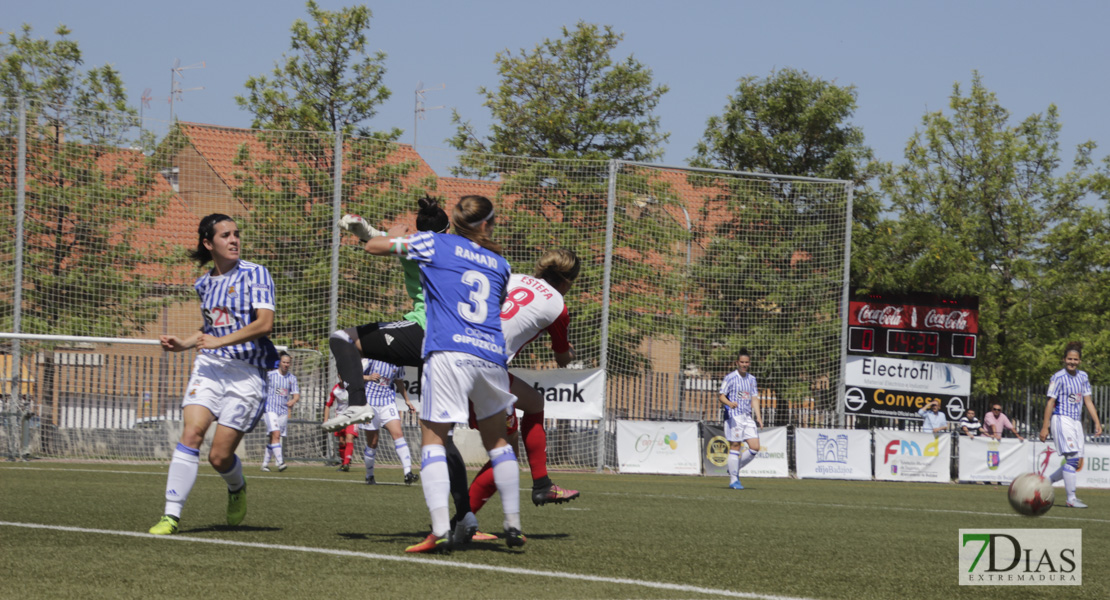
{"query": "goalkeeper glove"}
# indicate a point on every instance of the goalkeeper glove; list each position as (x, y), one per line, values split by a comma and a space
(358, 226)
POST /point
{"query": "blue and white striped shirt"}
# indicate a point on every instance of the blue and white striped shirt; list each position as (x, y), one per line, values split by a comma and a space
(1069, 390)
(279, 388)
(740, 390)
(228, 303)
(382, 392)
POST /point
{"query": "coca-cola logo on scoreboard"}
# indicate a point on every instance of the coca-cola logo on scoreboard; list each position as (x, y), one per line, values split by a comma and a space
(915, 311)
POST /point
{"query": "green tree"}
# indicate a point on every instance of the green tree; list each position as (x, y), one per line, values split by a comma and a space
(975, 205)
(570, 106)
(762, 290)
(328, 86)
(328, 83)
(88, 196)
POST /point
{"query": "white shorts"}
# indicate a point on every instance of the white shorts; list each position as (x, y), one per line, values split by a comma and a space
(1068, 434)
(276, 422)
(382, 415)
(232, 390)
(451, 378)
(741, 428)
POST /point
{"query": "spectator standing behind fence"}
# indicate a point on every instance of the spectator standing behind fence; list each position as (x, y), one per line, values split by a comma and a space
(740, 396)
(935, 421)
(995, 423)
(969, 424)
(228, 379)
(281, 395)
(1069, 391)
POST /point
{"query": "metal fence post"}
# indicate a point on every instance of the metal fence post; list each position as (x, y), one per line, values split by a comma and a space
(610, 211)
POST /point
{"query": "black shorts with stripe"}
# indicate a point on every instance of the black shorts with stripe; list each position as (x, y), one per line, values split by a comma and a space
(399, 342)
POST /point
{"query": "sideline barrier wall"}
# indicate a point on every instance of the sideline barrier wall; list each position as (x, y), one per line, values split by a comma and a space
(832, 453)
(662, 447)
(771, 461)
(986, 459)
(912, 456)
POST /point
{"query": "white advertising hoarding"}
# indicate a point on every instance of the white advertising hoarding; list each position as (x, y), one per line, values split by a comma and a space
(912, 456)
(832, 453)
(1094, 472)
(665, 447)
(983, 458)
(567, 393)
(909, 375)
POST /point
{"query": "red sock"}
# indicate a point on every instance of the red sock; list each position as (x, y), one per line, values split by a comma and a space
(483, 488)
(535, 443)
(348, 450)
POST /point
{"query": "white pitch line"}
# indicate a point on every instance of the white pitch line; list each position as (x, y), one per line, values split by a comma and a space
(661, 496)
(415, 560)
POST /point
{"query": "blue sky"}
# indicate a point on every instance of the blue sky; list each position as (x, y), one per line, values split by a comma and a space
(903, 57)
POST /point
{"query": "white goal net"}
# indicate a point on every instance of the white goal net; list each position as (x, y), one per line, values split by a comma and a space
(681, 269)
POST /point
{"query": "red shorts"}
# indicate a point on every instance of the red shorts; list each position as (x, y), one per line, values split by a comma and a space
(351, 430)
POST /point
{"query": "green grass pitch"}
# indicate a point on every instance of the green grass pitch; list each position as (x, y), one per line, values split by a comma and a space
(78, 530)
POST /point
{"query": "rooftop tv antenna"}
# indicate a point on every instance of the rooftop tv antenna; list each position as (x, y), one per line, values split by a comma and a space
(418, 112)
(145, 102)
(176, 73)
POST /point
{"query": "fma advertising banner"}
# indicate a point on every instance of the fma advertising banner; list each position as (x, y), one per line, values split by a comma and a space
(666, 447)
(832, 453)
(892, 387)
(912, 456)
(567, 393)
(986, 459)
(769, 462)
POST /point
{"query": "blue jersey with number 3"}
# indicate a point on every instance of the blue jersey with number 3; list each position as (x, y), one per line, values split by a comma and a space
(464, 285)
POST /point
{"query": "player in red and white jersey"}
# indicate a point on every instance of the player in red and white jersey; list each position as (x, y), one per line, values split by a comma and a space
(534, 304)
(339, 397)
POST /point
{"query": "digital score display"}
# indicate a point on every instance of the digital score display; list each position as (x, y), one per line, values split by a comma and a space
(914, 325)
(913, 343)
(905, 342)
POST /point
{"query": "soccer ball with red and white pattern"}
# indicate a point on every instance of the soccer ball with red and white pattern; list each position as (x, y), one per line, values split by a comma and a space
(1031, 494)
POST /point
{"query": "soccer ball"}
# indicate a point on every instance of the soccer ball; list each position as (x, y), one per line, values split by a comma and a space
(1031, 494)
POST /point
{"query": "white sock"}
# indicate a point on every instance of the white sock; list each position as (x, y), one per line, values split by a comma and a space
(746, 458)
(402, 448)
(234, 476)
(1069, 483)
(733, 466)
(277, 454)
(1058, 475)
(506, 474)
(368, 457)
(266, 456)
(183, 474)
(437, 487)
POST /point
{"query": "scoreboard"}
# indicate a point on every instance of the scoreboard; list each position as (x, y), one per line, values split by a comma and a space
(914, 325)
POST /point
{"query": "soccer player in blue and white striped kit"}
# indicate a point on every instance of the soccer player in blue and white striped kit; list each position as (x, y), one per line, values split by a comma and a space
(282, 394)
(740, 396)
(1069, 391)
(382, 382)
(228, 381)
(465, 279)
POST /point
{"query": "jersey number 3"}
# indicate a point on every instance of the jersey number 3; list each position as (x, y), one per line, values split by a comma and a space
(476, 310)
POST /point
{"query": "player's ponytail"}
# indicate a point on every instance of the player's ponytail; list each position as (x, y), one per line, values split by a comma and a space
(431, 217)
(468, 215)
(557, 266)
(205, 231)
